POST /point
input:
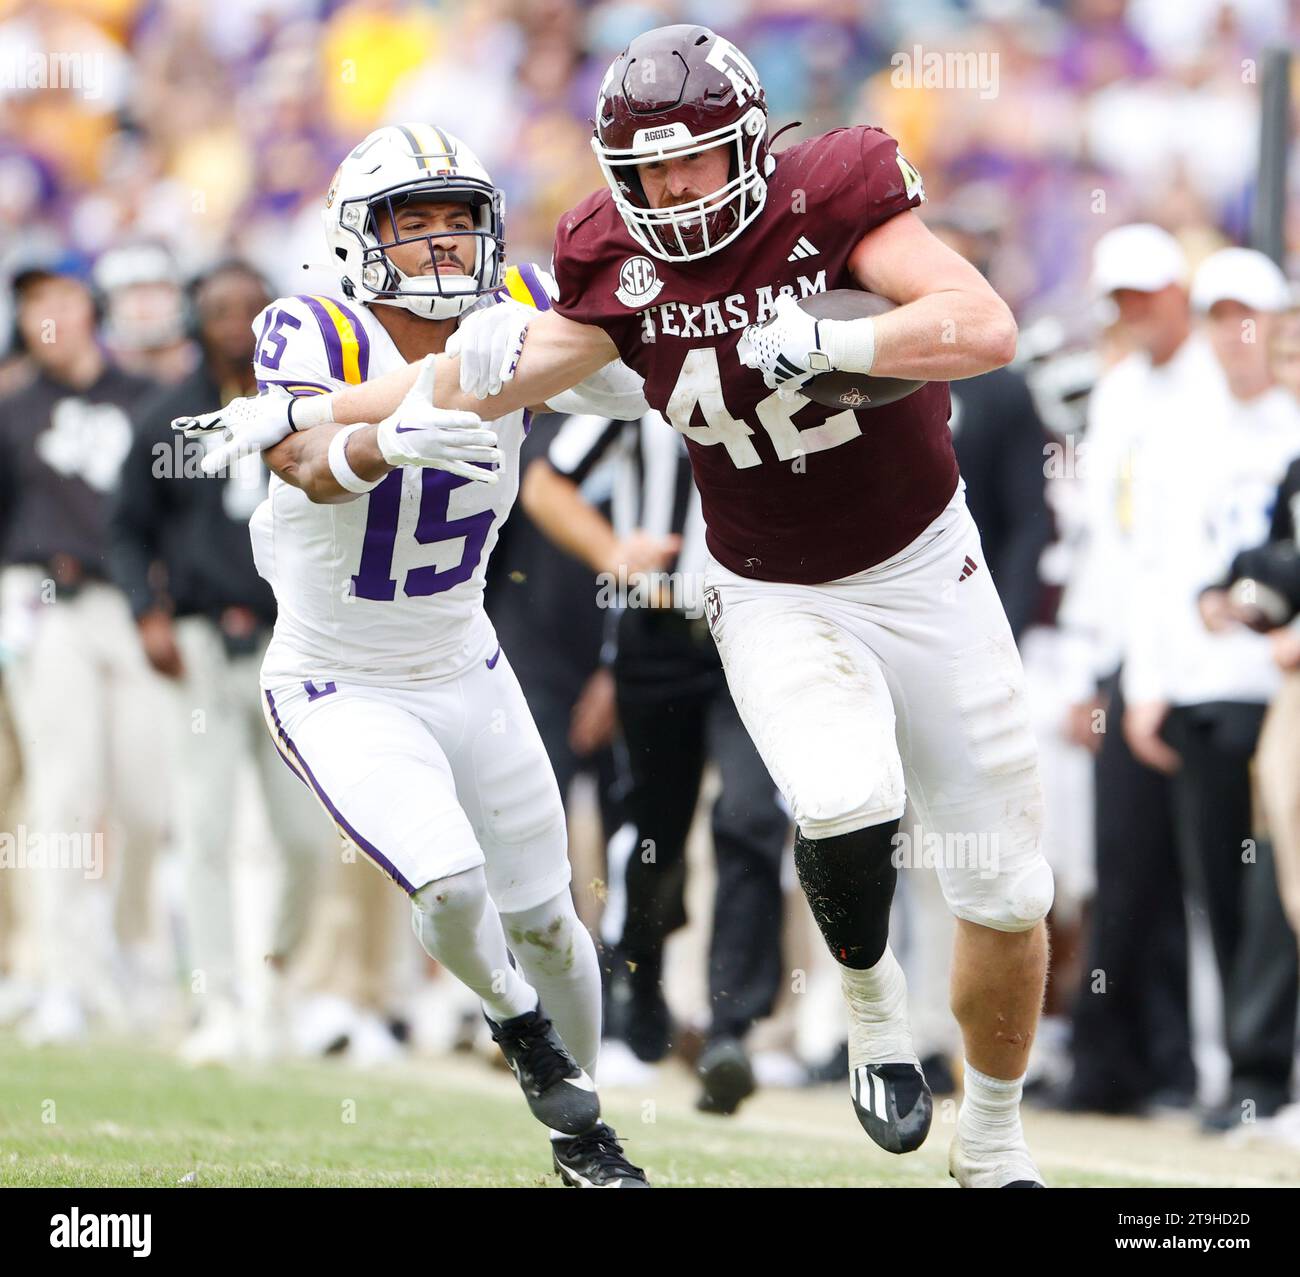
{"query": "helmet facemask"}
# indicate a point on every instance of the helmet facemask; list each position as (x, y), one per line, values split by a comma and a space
(686, 232)
(372, 221)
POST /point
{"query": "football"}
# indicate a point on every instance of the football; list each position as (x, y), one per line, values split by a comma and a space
(851, 389)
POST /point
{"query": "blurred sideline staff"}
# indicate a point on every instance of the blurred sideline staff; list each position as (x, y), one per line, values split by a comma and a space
(1132, 1036)
(181, 554)
(1262, 591)
(84, 701)
(1203, 491)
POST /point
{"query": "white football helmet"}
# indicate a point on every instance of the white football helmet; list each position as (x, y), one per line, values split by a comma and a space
(393, 164)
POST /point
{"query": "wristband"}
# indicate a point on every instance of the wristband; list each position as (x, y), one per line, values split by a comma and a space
(306, 411)
(850, 344)
(340, 468)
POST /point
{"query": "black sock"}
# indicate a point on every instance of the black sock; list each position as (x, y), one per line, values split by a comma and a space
(849, 881)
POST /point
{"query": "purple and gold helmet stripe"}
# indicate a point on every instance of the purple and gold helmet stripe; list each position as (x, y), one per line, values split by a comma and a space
(417, 150)
(346, 341)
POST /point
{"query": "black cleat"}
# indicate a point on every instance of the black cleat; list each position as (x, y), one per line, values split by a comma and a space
(728, 1077)
(595, 1159)
(893, 1104)
(559, 1093)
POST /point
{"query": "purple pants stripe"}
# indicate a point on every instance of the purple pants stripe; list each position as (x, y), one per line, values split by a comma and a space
(369, 848)
(333, 343)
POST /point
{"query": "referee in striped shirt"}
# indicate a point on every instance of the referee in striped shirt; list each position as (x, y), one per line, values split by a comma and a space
(677, 715)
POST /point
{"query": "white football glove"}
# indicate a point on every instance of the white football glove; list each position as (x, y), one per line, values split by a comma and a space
(787, 349)
(251, 424)
(418, 434)
(489, 342)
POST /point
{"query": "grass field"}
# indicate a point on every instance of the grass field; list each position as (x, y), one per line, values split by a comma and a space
(116, 1115)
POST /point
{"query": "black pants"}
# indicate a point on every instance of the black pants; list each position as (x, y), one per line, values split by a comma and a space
(677, 714)
(1131, 1029)
(1234, 884)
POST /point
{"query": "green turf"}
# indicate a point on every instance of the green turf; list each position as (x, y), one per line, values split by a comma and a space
(116, 1115)
(120, 1116)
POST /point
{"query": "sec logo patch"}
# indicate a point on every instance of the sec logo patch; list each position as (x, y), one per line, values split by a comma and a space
(638, 283)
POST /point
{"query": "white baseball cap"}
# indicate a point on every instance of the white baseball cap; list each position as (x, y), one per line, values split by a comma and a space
(1139, 256)
(1240, 275)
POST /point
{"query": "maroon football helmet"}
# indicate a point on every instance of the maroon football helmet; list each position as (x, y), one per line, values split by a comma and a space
(677, 91)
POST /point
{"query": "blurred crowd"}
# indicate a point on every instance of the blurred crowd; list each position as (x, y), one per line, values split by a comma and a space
(213, 128)
(1131, 476)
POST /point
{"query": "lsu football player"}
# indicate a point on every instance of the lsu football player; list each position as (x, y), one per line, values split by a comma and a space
(863, 641)
(384, 685)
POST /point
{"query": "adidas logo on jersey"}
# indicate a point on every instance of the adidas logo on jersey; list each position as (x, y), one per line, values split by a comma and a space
(804, 248)
(967, 568)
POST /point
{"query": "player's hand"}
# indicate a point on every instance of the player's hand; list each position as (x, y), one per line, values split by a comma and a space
(249, 425)
(787, 349)
(1142, 724)
(418, 434)
(489, 342)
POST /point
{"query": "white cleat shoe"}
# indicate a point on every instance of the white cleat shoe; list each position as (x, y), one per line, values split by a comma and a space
(1007, 1167)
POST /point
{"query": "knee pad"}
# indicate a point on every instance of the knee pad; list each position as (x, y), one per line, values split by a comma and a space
(847, 800)
(459, 897)
(1014, 900)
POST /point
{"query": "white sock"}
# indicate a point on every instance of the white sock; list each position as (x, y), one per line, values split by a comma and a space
(990, 1110)
(558, 956)
(879, 1032)
(459, 926)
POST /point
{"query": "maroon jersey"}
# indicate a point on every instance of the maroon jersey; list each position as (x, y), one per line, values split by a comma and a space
(791, 491)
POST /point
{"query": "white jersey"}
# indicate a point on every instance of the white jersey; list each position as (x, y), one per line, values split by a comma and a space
(389, 586)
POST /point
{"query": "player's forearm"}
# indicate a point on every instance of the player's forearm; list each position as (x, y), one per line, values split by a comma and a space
(303, 460)
(376, 399)
(557, 355)
(944, 336)
(559, 509)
